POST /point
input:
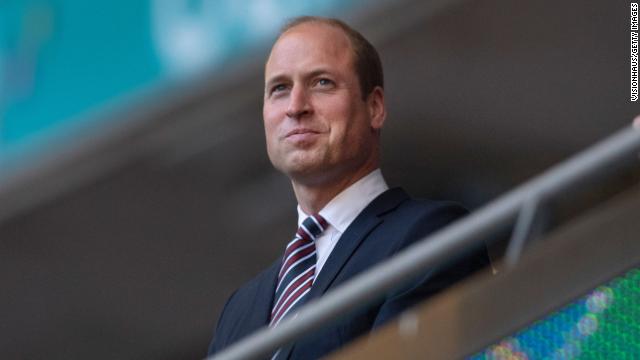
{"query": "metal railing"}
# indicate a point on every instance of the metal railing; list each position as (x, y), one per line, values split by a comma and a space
(520, 203)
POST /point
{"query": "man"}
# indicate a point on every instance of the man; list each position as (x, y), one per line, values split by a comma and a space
(323, 112)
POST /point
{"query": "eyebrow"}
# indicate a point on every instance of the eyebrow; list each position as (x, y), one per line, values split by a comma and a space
(282, 77)
(275, 79)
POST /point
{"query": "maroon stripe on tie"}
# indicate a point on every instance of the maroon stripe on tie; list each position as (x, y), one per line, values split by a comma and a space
(320, 220)
(296, 269)
(283, 309)
(294, 251)
(293, 245)
(294, 258)
(291, 288)
(303, 234)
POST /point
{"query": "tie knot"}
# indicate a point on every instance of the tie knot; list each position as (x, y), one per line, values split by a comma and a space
(312, 226)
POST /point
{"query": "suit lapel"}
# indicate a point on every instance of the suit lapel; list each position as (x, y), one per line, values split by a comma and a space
(263, 300)
(353, 236)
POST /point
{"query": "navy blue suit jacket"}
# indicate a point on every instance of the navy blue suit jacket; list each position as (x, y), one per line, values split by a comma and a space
(388, 224)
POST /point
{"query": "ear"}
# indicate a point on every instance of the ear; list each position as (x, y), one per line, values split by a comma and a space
(376, 108)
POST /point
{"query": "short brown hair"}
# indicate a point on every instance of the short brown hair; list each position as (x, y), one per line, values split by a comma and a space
(367, 61)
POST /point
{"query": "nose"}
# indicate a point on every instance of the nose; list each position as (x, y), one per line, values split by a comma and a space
(299, 105)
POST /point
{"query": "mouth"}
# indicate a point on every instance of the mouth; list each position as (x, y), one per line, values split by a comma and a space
(300, 131)
(301, 135)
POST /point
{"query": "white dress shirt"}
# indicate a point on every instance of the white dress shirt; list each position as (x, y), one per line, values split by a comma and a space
(342, 210)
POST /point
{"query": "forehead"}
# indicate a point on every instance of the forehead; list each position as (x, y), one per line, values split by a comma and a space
(311, 44)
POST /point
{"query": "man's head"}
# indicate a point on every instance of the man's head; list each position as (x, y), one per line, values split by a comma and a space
(367, 62)
(323, 103)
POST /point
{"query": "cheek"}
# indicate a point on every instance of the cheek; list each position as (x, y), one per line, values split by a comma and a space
(273, 145)
(350, 132)
(338, 115)
(270, 122)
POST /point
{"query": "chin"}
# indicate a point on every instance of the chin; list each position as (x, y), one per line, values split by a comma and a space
(300, 169)
(303, 172)
(302, 161)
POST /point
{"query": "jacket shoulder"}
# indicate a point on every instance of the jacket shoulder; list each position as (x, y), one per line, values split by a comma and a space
(417, 218)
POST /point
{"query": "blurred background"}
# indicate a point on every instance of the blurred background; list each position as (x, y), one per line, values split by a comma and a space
(135, 191)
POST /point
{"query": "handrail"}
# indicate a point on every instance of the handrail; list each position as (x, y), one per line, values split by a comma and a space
(597, 160)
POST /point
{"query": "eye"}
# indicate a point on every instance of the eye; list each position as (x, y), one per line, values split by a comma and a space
(277, 88)
(325, 82)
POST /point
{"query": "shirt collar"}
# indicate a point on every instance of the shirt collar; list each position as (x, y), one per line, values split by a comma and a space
(345, 207)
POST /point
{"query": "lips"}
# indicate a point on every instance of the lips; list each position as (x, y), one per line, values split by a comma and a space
(301, 131)
(301, 136)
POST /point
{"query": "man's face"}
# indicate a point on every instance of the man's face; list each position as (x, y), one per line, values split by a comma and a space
(317, 125)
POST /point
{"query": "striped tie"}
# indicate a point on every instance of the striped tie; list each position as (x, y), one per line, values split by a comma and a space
(298, 268)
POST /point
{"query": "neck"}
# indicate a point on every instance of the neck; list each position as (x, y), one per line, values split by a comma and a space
(313, 197)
